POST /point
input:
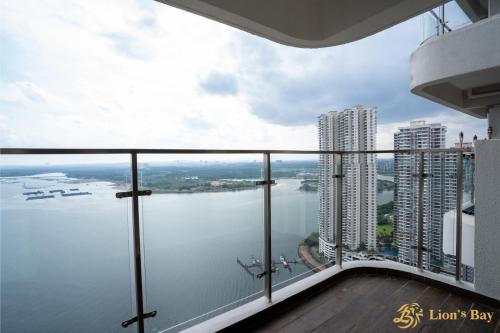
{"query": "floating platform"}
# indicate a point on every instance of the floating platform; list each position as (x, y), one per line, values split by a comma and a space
(33, 193)
(75, 194)
(56, 191)
(40, 197)
(74, 189)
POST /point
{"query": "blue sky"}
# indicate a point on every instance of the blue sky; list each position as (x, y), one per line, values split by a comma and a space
(131, 73)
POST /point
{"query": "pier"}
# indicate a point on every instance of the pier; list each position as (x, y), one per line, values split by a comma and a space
(256, 263)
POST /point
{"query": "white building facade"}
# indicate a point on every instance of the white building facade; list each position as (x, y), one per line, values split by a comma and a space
(353, 129)
(419, 135)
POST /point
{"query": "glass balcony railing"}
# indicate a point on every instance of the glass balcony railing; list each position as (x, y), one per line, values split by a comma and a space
(443, 19)
(65, 247)
(161, 240)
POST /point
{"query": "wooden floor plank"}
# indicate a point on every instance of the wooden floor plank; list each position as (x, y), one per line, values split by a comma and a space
(342, 302)
(369, 303)
(337, 291)
(479, 325)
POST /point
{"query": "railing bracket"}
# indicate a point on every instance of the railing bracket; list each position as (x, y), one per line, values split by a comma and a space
(129, 322)
(265, 182)
(128, 194)
(264, 273)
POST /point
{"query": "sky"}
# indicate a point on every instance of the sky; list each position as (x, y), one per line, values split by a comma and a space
(140, 74)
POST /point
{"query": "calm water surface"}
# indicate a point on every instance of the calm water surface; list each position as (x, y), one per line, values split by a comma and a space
(65, 261)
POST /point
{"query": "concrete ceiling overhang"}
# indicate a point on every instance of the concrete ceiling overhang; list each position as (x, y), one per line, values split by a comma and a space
(460, 69)
(308, 23)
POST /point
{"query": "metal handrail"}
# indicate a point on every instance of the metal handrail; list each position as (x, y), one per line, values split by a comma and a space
(100, 151)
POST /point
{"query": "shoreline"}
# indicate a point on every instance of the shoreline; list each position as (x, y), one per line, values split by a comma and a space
(309, 260)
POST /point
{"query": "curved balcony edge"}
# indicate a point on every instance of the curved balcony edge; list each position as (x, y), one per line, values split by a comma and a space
(460, 69)
(260, 309)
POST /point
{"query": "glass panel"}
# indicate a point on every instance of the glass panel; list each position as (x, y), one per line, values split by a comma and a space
(454, 16)
(468, 220)
(203, 236)
(65, 244)
(405, 224)
(386, 241)
(440, 203)
(295, 228)
(430, 25)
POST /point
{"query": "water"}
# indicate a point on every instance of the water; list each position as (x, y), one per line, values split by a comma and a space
(385, 196)
(65, 262)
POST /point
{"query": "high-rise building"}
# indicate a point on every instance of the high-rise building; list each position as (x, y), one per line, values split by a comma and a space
(419, 135)
(450, 202)
(353, 129)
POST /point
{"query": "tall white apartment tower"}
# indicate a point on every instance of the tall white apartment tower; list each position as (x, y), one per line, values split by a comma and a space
(419, 135)
(353, 129)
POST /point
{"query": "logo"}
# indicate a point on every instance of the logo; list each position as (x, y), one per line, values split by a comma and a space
(409, 316)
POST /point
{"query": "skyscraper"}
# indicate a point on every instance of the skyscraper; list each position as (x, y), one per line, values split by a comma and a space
(353, 129)
(450, 196)
(419, 135)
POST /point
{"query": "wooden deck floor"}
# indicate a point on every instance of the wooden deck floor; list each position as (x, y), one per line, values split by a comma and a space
(369, 303)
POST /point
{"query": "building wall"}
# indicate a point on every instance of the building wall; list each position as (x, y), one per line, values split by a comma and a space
(487, 218)
(351, 129)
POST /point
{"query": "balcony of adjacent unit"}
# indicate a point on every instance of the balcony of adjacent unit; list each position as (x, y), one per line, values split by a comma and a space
(457, 64)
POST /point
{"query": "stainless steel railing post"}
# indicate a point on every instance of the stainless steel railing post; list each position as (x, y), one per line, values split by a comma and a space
(137, 246)
(420, 241)
(267, 227)
(442, 22)
(340, 181)
(458, 242)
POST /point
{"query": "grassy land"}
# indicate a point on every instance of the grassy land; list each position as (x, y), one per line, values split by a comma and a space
(384, 230)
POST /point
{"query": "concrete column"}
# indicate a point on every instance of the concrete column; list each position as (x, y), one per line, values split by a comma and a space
(494, 121)
(493, 7)
(487, 218)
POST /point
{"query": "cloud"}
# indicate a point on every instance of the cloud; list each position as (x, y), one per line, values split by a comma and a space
(219, 84)
(128, 46)
(140, 74)
(292, 86)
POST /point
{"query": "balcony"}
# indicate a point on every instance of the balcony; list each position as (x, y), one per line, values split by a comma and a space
(168, 240)
(457, 64)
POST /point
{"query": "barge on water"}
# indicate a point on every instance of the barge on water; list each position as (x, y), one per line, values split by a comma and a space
(33, 193)
(40, 197)
(75, 194)
(56, 191)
